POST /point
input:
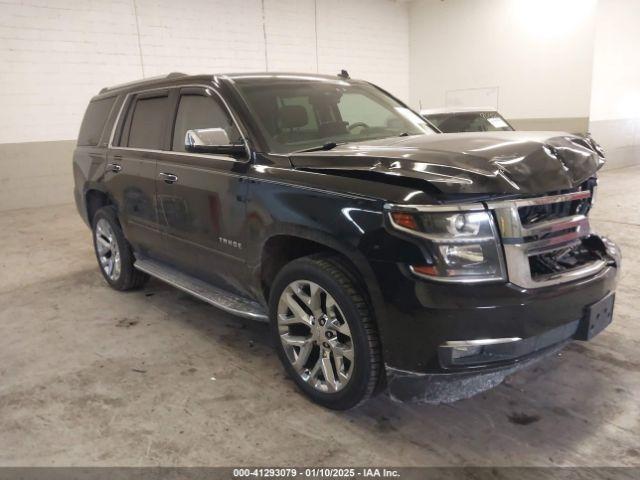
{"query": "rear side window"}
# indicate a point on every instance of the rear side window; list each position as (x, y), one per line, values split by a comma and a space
(94, 120)
(147, 123)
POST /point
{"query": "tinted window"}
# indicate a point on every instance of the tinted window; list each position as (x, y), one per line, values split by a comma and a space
(147, 123)
(312, 121)
(197, 112)
(93, 122)
(354, 107)
(297, 114)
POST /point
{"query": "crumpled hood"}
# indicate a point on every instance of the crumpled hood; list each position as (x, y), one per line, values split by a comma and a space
(474, 163)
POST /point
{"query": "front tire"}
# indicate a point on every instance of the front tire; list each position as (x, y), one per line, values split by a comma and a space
(324, 332)
(114, 254)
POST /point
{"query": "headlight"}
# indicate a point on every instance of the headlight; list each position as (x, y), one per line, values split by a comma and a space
(464, 244)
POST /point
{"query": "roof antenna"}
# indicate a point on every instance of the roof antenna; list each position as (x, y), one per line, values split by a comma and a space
(344, 74)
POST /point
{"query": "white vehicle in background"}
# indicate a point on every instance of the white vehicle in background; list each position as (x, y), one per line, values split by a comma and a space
(461, 119)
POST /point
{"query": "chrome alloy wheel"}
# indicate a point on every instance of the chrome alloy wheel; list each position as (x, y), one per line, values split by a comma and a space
(315, 336)
(108, 250)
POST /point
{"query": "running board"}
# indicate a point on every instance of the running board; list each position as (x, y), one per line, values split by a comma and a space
(218, 298)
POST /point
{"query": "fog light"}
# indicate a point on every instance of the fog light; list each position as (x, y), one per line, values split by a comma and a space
(462, 352)
(475, 352)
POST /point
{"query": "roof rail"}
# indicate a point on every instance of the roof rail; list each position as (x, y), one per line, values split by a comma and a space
(144, 80)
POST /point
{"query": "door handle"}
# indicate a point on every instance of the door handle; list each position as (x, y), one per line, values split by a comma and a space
(114, 167)
(168, 177)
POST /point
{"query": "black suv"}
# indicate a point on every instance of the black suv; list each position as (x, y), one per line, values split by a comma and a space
(383, 255)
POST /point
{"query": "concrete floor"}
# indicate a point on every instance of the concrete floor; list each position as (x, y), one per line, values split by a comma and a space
(89, 376)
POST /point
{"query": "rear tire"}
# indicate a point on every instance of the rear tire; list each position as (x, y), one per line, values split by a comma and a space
(114, 253)
(324, 332)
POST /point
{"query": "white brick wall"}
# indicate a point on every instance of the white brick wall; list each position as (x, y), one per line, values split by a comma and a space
(291, 35)
(368, 38)
(200, 36)
(56, 54)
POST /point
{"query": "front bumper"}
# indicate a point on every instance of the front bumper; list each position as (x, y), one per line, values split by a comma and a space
(461, 354)
(414, 387)
(422, 319)
(506, 357)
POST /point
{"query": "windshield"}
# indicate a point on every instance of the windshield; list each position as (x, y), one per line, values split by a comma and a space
(304, 113)
(469, 122)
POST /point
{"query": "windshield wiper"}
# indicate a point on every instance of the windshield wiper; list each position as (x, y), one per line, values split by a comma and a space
(326, 146)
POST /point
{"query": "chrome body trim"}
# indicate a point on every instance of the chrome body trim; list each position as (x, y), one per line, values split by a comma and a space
(527, 202)
(114, 167)
(168, 177)
(454, 207)
(583, 271)
(116, 122)
(521, 242)
(580, 222)
(459, 279)
(479, 342)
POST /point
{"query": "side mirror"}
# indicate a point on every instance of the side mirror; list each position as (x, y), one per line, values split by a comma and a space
(211, 140)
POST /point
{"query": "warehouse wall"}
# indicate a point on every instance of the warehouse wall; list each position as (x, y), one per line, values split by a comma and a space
(615, 99)
(56, 54)
(532, 59)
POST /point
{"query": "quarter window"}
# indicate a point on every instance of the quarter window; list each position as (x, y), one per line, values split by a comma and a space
(93, 122)
(196, 112)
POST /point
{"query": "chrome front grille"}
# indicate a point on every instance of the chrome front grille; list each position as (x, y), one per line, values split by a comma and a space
(531, 214)
(522, 240)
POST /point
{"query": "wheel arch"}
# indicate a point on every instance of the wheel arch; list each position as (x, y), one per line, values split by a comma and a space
(94, 200)
(286, 245)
